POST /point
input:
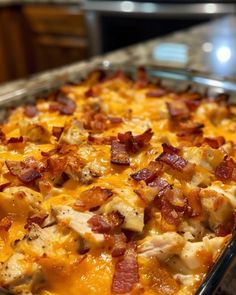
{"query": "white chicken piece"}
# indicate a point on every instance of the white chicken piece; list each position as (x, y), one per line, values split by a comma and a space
(41, 241)
(217, 203)
(36, 132)
(74, 133)
(78, 221)
(124, 202)
(193, 254)
(20, 199)
(204, 156)
(162, 246)
(186, 280)
(19, 275)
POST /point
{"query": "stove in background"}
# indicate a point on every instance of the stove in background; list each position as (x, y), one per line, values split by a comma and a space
(115, 24)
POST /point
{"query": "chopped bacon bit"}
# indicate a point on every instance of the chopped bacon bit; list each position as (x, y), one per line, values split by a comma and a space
(156, 92)
(57, 131)
(37, 218)
(92, 198)
(172, 214)
(226, 170)
(178, 110)
(126, 271)
(148, 174)
(89, 93)
(4, 185)
(142, 79)
(167, 148)
(15, 140)
(104, 140)
(119, 155)
(25, 173)
(99, 224)
(2, 136)
(5, 223)
(115, 120)
(170, 156)
(228, 227)
(143, 138)
(115, 219)
(30, 111)
(134, 143)
(192, 104)
(214, 142)
(162, 187)
(190, 128)
(29, 175)
(119, 246)
(64, 105)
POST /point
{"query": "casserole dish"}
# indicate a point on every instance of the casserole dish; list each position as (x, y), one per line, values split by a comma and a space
(179, 238)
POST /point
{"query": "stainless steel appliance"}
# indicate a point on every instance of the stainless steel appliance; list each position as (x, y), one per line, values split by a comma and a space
(115, 24)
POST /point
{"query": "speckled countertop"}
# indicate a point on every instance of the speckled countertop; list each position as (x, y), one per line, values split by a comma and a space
(207, 48)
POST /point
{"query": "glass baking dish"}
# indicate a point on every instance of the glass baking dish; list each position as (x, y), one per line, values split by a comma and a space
(172, 77)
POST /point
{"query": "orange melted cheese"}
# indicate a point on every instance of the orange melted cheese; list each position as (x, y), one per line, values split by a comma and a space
(63, 269)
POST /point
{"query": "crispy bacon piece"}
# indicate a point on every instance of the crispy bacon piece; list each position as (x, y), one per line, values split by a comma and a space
(126, 271)
(148, 174)
(4, 185)
(92, 198)
(15, 140)
(171, 213)
(119, 154)
(115, 219)
(226, 170)
(159, 92)
(37, 218)
(57, 131)
(5, 223)
(30, 111)
(170, 157)
(99, 224)
(119, 245)
(2, 137)
(190, 128)
(64, 105)
(192, 104)
(100, 141)
(162, 187)
(24, 173)
(178, 110)
(115, 120)
(135, 143)
(228, 227)
(214, 142)
(142, 79)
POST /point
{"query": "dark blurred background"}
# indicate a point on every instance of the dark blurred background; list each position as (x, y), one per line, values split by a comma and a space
(40, 35)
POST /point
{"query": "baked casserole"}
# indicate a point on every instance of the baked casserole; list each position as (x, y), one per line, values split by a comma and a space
(115, 185)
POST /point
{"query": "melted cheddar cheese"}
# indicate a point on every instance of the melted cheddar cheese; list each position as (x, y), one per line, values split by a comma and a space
(115, 186)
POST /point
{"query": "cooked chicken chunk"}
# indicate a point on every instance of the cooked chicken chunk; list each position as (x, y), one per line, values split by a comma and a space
(134, 216)
(19, 275)
(78, 222)
(41, 241)
(195, 255)
(217, 204)
(20, 199)
(74, 133)
(162, 246)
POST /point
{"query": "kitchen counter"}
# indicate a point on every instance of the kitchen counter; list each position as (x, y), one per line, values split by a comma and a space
(207, 48)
